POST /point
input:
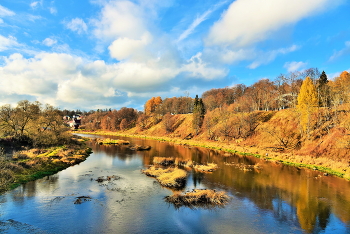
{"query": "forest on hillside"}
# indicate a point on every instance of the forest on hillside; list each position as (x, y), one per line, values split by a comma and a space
(224, 114)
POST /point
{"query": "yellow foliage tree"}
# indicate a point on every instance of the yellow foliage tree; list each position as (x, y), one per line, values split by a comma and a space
(307, 103)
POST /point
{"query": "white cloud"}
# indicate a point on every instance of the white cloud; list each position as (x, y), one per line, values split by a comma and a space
(199, 69)
(123, 48)
(343, 52)
(49, 42)
(36, 76)
(229, 56)
(1, 21)
(34, 5)
(5, 12)
(120, 19)
(249, 21)
(7, 43)
(53, 10)
(295, 66)
(198, 21)
(33, 17)
(267, 57)
(63, 79)
(77, 25)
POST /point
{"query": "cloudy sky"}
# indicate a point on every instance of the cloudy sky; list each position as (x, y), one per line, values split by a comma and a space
(91, 54)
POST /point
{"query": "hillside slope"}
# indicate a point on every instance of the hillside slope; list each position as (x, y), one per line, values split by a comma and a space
(274, 135)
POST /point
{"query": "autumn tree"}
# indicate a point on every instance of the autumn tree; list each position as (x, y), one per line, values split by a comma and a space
(142, 121)
(16, 121)
(280, 86)
(226, 125)
(157, 108)
(168, 122)
(107, 122)
(33, 124)
(149, 107)
(209, 124)
(123, 125)
(48, 128)
(307, 102)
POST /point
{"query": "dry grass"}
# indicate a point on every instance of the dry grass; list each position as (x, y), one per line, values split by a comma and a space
(199, 197)
(140, 147)
(170, 177)
(210, 167)
(109, 141)
(184, 162)
(31, 164)
(163, 161)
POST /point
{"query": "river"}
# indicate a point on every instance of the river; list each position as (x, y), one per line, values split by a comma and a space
(272, 199)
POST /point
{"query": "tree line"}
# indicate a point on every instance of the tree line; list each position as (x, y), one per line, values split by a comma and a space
(33, 124)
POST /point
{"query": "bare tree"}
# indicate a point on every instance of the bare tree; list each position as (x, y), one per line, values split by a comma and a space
(226, 126)
(168, 122)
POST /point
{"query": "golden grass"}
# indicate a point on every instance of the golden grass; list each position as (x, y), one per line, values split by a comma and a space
(210, 167)
(140, 147)
(199, 197)
(184, 162)
(170, 177)
(163, 161)
(109, 141)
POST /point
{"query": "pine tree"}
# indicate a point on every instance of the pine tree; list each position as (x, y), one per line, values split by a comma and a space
(307, 102)
(323, 90)
(198, 114)
(195, 103)
(323, 79)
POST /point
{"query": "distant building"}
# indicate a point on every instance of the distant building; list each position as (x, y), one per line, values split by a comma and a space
(75, 123)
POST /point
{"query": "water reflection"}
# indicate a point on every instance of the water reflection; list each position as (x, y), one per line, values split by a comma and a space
(310, 197)
(274, 198)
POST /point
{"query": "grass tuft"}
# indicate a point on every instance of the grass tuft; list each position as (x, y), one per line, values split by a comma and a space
(170, 177)
(163, 161)
(206, 168)
(198, 198)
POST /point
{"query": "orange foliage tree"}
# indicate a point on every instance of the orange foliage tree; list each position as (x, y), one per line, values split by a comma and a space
(123, 124)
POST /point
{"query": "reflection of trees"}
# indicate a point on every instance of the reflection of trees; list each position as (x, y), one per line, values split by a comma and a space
(197, 178)
(306, 208)
(272, 188)
(30, 189)
(275, 184)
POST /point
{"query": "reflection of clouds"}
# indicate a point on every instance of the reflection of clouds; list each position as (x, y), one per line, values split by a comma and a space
(136, 205)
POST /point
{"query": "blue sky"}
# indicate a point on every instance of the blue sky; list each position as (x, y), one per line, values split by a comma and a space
(110, 53)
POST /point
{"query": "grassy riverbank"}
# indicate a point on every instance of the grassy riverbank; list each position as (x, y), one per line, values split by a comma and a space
(32, 164)
(326, 165)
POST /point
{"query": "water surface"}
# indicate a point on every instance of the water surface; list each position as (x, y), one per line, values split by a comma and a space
(273, 199)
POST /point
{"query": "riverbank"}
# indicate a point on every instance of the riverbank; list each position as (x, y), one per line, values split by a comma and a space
(327, 166)
(32, 164)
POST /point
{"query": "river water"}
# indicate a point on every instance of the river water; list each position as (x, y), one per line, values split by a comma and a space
(272, 199)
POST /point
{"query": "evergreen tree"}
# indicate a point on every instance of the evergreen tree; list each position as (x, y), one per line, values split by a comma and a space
(195, 104)
(201, 108)
(307, 102)
(323, 90)
(198, 114)
(323, 79)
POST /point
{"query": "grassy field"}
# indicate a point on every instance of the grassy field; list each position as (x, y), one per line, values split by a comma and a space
(28, 165)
